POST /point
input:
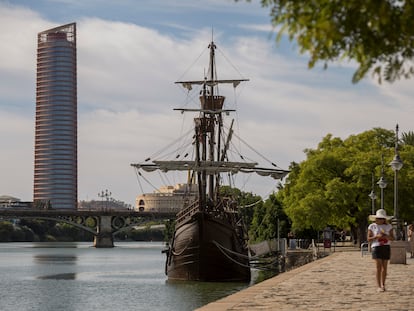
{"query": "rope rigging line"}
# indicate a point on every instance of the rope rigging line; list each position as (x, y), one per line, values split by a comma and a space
(258, 266)
(191, 97)
(139, 181)
(270, 192)
(230, 251)
(196, 60)
(182, 251)
(246, 180)
(264, 266)
(148, 182)
(183, 144)
(168, 146)
(255, 151)
(188, 141)
(252, 204)
(229, 257)
(177, 152)
(237, 150)
(164, 178)
(231, 64)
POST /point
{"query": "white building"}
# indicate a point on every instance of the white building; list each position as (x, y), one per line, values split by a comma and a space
(167, 198)
(7, 201)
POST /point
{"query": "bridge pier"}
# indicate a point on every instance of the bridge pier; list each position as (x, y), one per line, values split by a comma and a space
(104, 237)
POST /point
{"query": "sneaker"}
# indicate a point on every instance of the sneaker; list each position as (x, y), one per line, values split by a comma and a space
(380, 289)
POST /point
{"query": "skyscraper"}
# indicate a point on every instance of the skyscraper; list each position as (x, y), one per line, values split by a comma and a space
(55, 161)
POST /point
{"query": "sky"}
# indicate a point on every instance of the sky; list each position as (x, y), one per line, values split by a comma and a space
(130, 53)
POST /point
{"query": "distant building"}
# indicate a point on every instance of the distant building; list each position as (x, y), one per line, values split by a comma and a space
(55, 160)
(7, 201)
(167, 198)
(104, 205)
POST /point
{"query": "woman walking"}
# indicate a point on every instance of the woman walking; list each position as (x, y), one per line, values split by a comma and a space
(380, 233)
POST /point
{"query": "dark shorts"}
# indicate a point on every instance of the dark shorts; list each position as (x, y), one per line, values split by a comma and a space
(381, 252)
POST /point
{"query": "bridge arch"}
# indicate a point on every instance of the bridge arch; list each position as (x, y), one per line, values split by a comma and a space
(102, 224)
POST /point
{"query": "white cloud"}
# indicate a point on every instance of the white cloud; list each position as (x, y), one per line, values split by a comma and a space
(19, 28)
(126, 94)
(16, 155)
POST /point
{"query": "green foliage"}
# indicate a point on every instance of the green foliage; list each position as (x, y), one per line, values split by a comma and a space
(169, 230)
(13, 233)
(6, 229)
(146, 235)
(247, 201)
(266, 219)
(331, 186)
(48, 230)
(39, 227)
(405, 184)
(68, 233)
(376, 34)
(408, 138)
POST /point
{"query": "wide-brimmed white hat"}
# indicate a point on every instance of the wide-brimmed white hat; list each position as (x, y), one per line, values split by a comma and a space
(381, 213)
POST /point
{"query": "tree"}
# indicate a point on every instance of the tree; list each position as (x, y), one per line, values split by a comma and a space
(247, 201)
(377, 34)
(266, 219)
(407, 138)
(331, 186)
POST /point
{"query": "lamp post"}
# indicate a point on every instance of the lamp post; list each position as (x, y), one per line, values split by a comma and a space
(105, 194)
(382, 183)
(372, 195)
(396, 164)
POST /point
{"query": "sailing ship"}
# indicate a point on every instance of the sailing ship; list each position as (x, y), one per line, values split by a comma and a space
(210, 240)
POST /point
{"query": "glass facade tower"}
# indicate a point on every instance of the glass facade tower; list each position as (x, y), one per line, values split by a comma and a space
(55, 160)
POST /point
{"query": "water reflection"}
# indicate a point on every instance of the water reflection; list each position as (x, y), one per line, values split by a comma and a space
(55, 259)
(195, 294)
(55, 245)
(128, 277)
(61, 276)
(54, 266)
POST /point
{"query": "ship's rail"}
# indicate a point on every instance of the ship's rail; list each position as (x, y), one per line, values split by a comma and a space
(224, 208)
(187, 211)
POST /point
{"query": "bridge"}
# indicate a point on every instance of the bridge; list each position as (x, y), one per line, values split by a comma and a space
(103, 224)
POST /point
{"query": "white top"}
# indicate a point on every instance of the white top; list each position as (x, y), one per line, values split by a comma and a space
(377, 229)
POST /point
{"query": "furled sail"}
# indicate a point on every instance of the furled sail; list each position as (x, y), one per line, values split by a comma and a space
(188, 84)
(211, 167)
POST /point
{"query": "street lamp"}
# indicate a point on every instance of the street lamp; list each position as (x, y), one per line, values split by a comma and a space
(382, 183)
(372, 195)
(105, 194)
(396, 164)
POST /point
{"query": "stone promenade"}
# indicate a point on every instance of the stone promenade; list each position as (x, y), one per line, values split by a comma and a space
(341, 281)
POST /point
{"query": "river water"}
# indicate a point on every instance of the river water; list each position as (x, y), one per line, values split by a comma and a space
(76, 276)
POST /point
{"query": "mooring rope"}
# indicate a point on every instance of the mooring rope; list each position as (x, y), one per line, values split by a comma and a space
(224, 250)
(229, 257)
(182, 251)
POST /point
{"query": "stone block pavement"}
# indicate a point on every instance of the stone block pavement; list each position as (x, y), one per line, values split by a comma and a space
(341, 281)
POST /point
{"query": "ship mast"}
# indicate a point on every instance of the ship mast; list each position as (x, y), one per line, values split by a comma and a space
(212, 69)
(208, 126)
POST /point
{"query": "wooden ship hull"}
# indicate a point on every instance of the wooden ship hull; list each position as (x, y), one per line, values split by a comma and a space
(208, 248)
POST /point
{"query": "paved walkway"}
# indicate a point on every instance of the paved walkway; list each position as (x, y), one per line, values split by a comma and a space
(341, 281)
